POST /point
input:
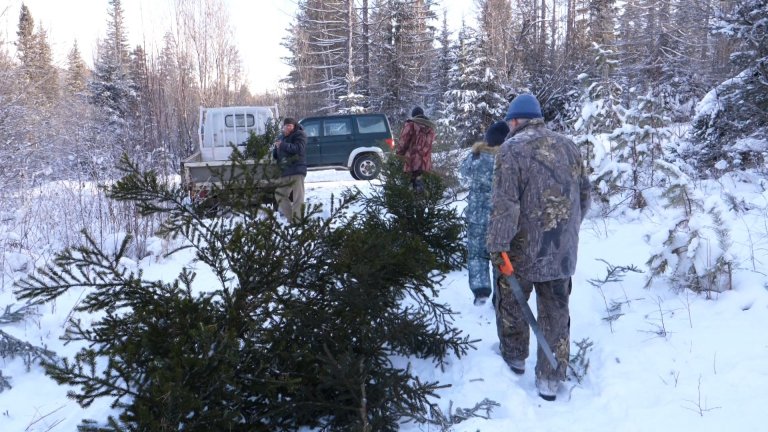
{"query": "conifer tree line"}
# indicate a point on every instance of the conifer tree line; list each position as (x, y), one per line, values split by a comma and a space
(599, 67)
(626, 62)
(73, 121)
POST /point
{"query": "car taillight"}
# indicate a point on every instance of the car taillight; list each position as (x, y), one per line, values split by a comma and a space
(390, 142)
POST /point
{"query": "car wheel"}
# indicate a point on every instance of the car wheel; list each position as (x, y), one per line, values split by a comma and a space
(366, 167)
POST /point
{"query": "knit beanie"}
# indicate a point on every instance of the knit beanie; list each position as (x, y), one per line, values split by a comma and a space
(524, 106)
(290, 120)
(417, 111)
(496, 133)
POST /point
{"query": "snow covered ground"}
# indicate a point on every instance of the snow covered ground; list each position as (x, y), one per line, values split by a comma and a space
(670, 361)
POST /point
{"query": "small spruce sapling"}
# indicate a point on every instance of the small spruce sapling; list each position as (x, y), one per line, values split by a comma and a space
(428, 216)
(692, 249)
(612, 274)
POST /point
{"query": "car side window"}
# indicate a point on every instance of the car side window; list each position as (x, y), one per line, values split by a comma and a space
(312, 128)
(337, 127)
(372, 124)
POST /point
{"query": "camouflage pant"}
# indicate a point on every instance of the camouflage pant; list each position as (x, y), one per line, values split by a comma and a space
(553, 319)
(478, 259)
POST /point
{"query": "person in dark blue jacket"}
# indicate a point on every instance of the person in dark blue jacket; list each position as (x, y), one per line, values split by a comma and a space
(477, 169)
(291, 154)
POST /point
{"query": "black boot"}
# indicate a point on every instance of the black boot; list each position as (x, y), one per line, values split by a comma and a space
(481, 296)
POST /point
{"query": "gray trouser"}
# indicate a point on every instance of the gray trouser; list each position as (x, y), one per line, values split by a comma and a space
(291, 187)
(553, 318)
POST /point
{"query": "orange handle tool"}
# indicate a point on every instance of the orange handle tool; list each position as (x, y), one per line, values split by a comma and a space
(507, 268)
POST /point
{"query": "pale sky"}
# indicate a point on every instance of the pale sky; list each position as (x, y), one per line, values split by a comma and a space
(259, 26)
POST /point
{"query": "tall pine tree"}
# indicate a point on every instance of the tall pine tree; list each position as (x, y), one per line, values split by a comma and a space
(76, 75)
(48, 75)
(406, 56)
(26, 43)
(34, 52)
(111, 89)
(475, 99)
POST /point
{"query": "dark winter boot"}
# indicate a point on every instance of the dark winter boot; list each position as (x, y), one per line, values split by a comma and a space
(517, 366)
(480, 301)
(481, 296)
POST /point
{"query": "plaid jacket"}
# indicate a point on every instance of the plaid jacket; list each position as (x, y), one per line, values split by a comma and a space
(415, 144)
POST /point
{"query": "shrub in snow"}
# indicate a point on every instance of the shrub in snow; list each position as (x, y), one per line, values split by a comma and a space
(578, 364)
(309, 324)
(731, 122)
(634, 146)
(728, 128)
(691, 249)
(12, 347)
(592, 123)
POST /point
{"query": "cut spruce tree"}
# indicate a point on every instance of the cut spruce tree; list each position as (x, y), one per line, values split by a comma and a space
(299, 326)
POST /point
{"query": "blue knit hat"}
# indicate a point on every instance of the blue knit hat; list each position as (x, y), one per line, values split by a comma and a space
(496, 133)
(524, 106)
(417, 111)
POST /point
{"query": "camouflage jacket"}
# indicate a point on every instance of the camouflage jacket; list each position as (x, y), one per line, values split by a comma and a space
(540, 196)
(477, 169)
(415, 144)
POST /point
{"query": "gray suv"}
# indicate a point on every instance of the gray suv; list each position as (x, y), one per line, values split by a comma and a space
(358, 142)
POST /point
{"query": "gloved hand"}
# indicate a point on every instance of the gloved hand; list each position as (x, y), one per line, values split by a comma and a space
(497, 260)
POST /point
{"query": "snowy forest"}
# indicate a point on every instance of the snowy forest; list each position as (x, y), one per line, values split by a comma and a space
(666, 99)
(601, 69)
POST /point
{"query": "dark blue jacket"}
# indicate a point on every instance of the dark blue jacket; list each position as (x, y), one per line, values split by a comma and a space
(292, 153)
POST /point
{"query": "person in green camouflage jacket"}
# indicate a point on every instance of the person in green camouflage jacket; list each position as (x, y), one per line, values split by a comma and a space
(540, 196)
(477, 170)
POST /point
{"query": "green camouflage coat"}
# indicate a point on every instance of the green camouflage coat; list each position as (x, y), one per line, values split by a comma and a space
(540, 195)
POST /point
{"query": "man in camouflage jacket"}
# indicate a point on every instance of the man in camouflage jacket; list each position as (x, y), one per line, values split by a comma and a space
(540, 196)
